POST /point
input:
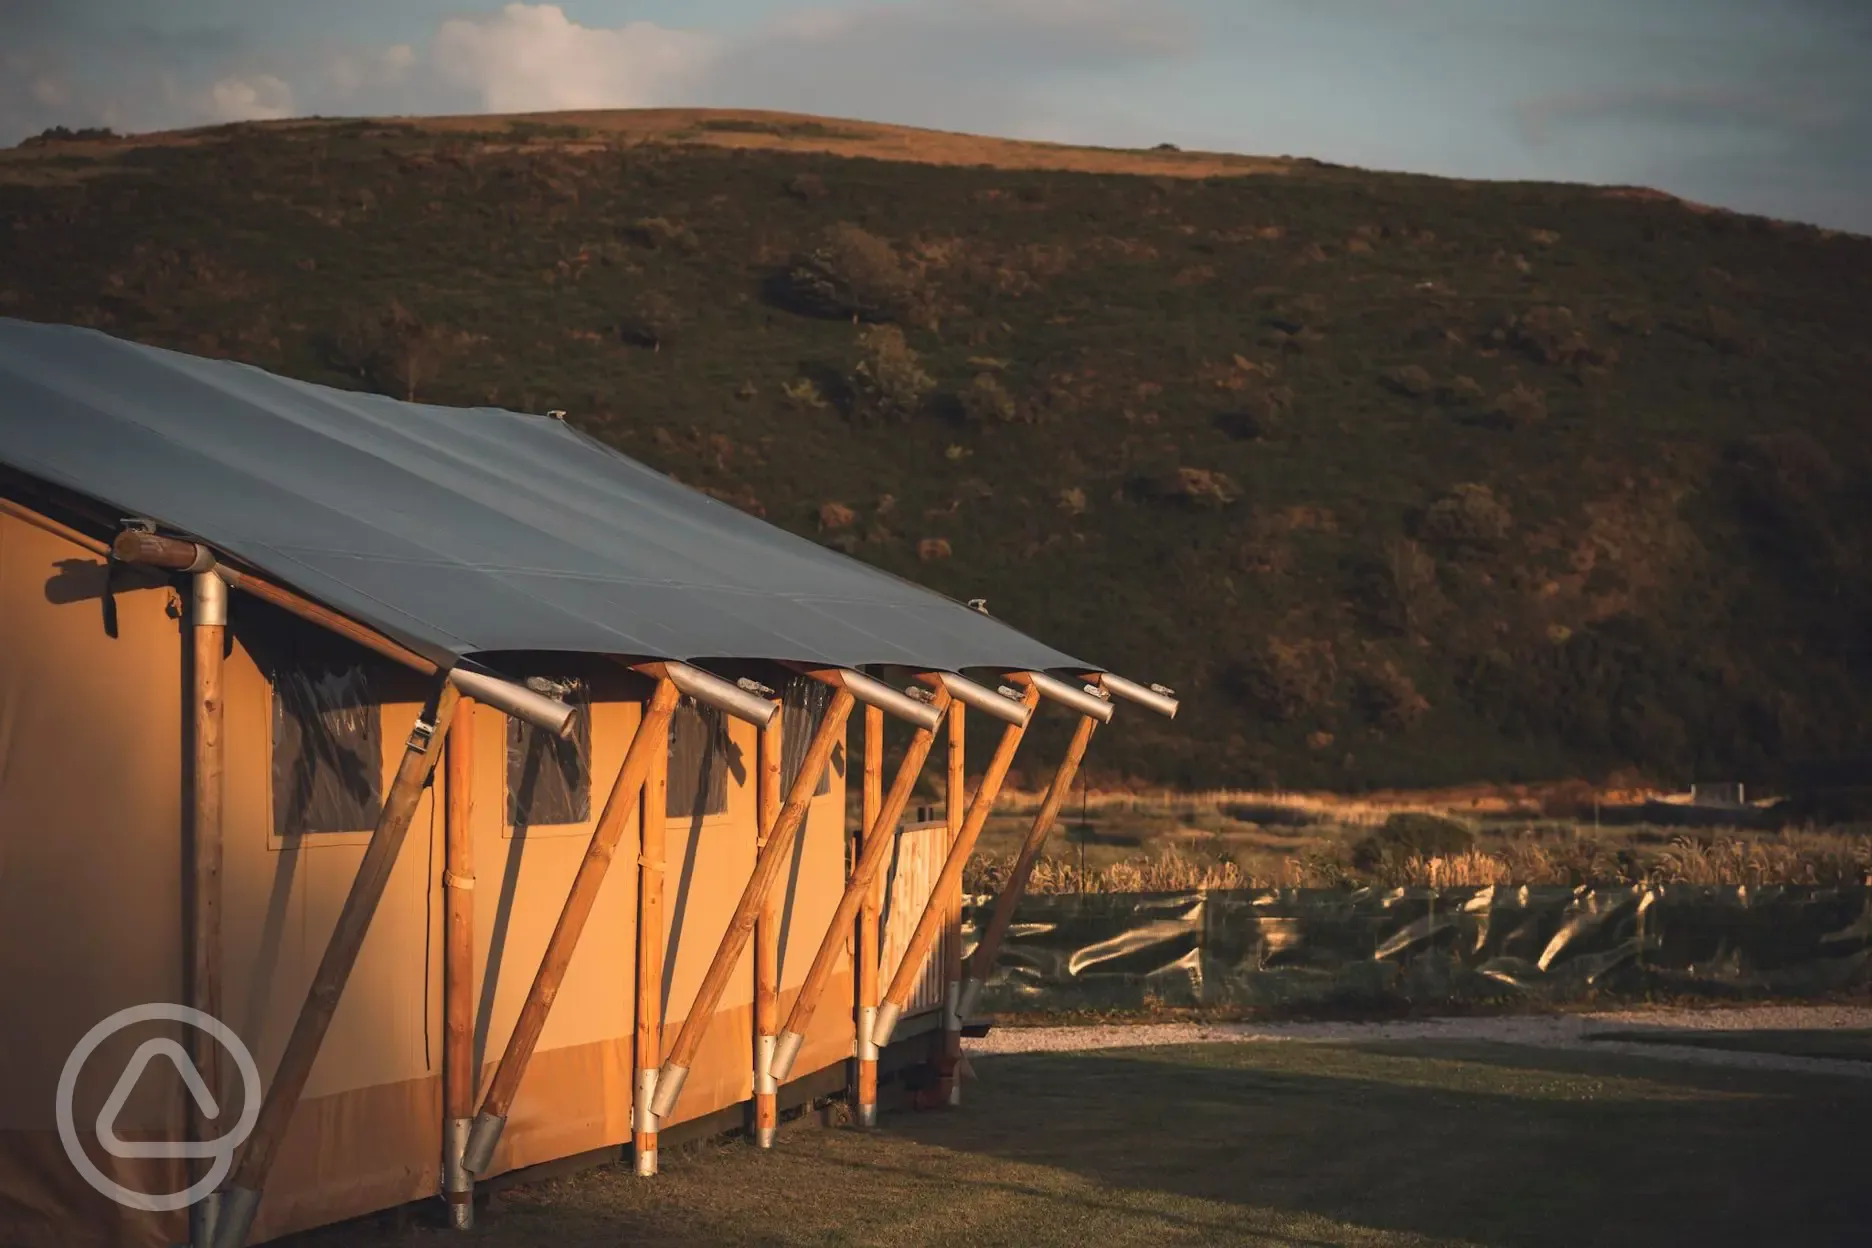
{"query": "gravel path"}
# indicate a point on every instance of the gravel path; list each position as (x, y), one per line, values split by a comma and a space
(1567, 1031)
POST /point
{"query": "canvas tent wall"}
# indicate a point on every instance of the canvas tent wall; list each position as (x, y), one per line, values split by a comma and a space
(90, 905)
(495, 544)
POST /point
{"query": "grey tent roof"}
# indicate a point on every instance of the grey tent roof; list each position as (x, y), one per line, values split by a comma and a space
(458, 530)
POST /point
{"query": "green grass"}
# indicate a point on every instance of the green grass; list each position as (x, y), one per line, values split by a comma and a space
(1682, 584)
(1844, 1045)
(1409, 1144)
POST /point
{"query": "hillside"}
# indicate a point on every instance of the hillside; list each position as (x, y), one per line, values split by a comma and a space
(1400, 481)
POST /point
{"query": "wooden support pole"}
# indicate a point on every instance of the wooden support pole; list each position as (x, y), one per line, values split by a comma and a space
(459, 1075)
(653, 826)
(235, 1219)
(929, 926)
(879, 835)
(652, 734)
(767, 866)
(207, 763)
(872, 831)
(767, 946)
(981, 962)
(651, 940)
(956, 801)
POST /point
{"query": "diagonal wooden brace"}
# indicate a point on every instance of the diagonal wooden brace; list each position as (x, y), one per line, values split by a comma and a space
(767, 867)
(929, 926)
(652, 735)
(242, 1200)
(873, 853)
(981, 962)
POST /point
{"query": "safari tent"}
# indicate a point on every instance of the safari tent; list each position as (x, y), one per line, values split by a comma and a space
(487, 786)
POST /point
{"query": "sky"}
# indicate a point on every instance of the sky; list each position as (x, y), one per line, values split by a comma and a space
(1758, 105)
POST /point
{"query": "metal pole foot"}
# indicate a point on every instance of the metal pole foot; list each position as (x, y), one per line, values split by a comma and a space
(971, 997)
(887, 1016)
(203, 1216)
(786, 1052)
(867, 1116)
(235, 1219)
(668, 1089)
(457, 1183)
(646, 1156)
(483, 1137)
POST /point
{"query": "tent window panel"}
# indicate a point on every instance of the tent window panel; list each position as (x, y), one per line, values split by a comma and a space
(698, 762)
(548, 777)
(327, 751)
(803, 703)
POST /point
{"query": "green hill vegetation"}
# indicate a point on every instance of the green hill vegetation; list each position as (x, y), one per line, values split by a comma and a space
(1398, 480)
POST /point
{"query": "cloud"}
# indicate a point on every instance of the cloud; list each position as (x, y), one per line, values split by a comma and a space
(996, 65)
(258, 97)
(533, 58)
(900, 57)
(968, 63)
(350, 73)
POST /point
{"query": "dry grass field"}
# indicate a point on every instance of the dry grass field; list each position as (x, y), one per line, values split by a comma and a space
(1152, 842)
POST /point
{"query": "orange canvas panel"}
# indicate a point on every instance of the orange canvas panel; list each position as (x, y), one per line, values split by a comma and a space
(355, 1152)
(44, 1203)
(710, 858)
(576, 1094)
(90, 819)
(574, 1099)
(281, 900)
(91, 847)
(812, 890)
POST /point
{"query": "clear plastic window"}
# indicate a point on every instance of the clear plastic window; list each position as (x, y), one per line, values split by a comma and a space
(803, 704)
(548, 777)
(327, 751)
(698, 762)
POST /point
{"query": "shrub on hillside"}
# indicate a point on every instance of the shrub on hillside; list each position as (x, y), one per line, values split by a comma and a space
(1389, 698)
(64, 134)
(852, 272)
(1413, 381)
(662, 234)
(1285, 680)
(889, 382)
(1461, 391)
(1195, 487)
(985, 401)
(1469, 515)
(1518, 408)
(806, 187)
(394, 350)
(1552, 335)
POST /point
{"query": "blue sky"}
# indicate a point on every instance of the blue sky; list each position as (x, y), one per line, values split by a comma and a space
(1750, 104)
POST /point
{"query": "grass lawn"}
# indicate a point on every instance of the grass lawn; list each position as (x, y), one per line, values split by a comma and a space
(1261, 1144)
(1836, 1043)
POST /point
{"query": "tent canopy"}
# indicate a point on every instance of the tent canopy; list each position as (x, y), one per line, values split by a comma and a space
(458, 530)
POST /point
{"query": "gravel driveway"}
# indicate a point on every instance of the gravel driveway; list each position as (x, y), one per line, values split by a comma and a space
(1568, 1031)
